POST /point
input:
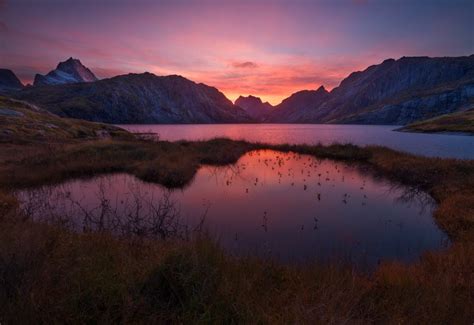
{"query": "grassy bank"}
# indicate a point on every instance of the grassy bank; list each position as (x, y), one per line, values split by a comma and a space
(21, 122)
(455, 122)
(52, 275)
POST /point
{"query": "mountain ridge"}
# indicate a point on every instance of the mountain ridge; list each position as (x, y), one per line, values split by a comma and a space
(137, 98)
(380, 94)
(292, 105)
(396, 92)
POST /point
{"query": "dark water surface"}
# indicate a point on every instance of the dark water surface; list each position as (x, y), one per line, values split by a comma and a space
(284, 205)
(431, 145)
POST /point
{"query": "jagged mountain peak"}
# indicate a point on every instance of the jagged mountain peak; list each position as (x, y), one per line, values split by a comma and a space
(249, 98)
(321, 89)
(68, 71)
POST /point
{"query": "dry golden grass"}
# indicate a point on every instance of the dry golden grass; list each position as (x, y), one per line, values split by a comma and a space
(51, 275)
(21, 122)
(454, 122)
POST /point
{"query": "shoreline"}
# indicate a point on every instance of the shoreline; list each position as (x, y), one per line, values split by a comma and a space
(239, 287)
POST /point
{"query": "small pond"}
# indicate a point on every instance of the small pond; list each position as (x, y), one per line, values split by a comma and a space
(287, 206)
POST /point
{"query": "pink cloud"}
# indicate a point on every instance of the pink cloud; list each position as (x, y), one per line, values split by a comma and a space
(268, 49)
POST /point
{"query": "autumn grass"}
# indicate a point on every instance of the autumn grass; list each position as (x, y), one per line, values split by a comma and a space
(455, 122)
(51, 275)
(21, 122)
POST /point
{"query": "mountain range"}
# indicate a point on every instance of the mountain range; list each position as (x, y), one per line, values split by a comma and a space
(394, 92)
(137, 99)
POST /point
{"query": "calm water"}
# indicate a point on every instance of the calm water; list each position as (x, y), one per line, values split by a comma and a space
(286, 206)
(432, 145)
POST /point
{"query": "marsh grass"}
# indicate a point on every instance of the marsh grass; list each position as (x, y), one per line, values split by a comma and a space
(51, 275)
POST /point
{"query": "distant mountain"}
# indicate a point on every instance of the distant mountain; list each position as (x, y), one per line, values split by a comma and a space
(292, 108)
(254, 106)
(9, 81)
(69, 71)
(137, 98)
(393, 92)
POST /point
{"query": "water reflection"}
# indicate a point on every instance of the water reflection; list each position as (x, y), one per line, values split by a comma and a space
(432, 145)
(285, 205)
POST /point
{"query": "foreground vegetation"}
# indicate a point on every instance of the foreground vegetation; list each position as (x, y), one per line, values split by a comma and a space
(50, 275)
(455, 122)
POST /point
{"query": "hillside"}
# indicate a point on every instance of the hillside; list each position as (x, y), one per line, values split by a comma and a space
(393, 92)
(20, 121)
(291, 108)
(455, 122)
(9, 81)
(137, 98)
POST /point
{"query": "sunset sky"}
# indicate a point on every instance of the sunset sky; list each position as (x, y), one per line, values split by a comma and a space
(267, 48)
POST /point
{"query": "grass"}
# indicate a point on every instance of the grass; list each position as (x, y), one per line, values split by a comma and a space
(21, 122)
(455, 122)
(51, 275)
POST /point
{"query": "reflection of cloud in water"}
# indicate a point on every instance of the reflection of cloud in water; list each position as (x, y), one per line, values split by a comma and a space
(284, 205)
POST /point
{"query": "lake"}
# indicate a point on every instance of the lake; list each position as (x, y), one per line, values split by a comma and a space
(431, 145)
(287, 206)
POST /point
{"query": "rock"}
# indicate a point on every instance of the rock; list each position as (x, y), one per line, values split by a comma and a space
(102, 134)
(10, 113)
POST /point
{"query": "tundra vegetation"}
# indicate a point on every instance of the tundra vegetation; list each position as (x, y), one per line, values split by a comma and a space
(50, 274)
(454, 122)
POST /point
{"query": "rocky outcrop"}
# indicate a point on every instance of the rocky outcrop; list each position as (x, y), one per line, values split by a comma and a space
(9, 81)
(395, 92)
(420, 106)
(69, 71)
(138, 98)
(254, 107)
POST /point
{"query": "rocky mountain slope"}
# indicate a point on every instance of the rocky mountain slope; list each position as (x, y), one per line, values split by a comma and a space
(137, 98)
(291, 108)
(254, 107)
(9, 81)
(69, 71)
(393, 92)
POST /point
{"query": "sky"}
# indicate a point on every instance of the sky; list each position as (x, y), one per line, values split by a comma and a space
(269, 49)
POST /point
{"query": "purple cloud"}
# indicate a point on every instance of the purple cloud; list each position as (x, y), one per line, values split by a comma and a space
(245, 65)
